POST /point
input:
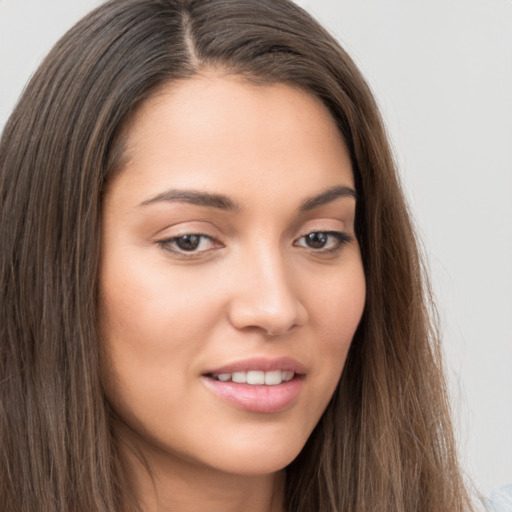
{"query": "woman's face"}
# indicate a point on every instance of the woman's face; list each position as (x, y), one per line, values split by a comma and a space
(231, 281)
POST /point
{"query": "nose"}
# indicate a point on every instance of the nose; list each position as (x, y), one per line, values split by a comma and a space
(265, 297)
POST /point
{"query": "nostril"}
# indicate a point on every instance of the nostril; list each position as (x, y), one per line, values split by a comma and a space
(270, 325)
(272, 333)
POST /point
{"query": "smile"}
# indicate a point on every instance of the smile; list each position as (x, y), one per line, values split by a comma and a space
(258, 385)
(256, 377)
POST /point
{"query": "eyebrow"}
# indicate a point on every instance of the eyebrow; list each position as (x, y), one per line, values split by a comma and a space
(218, 201)
(326, 197)
(222, 202)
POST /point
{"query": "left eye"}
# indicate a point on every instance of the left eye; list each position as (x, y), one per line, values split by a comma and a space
(324, 240)
(189, 243)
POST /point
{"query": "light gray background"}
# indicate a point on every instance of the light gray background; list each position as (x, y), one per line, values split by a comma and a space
(442, 73)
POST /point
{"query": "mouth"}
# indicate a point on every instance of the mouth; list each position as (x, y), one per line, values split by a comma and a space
(255, 377)
(258, 385)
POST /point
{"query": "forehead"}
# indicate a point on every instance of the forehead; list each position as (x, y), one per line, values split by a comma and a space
(211, 132)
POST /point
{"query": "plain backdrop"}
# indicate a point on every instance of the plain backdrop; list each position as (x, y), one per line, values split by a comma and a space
(442, 73)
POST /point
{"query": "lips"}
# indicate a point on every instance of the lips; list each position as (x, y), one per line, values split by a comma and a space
(261, 364)
(261, 385)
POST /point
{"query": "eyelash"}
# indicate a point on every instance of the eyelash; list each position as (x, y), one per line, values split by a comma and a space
(169, 244)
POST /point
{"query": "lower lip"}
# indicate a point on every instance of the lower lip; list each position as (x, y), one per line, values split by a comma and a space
(260, 399)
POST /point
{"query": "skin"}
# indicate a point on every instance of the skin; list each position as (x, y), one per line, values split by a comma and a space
(253, 287)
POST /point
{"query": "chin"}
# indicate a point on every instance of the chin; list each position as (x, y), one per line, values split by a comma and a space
(252, 458)
(259, 465)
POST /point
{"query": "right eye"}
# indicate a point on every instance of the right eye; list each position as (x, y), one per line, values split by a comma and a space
(188, 244)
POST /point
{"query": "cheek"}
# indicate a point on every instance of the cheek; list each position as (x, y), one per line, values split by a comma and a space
(152, 306)
(347, 315)
(336, 309)
(150, 333)
(338, 306)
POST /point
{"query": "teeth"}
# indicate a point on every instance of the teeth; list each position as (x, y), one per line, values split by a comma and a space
(288, 376)
(239, 377)
(256, 378)
(273, 378)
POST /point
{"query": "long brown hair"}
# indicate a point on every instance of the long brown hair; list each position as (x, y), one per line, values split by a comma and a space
(385, 441)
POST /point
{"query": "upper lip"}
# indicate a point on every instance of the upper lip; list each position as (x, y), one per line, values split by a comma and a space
(263, 364)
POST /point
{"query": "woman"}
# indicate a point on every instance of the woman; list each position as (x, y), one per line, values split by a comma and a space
(211, 292)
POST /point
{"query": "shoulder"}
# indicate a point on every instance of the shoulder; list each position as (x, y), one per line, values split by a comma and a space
(500, 500)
